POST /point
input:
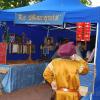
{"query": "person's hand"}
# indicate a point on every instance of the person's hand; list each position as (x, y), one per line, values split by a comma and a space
(75, 57)
(72, 57)
(54, 86)
(83, 90)
(81, 69)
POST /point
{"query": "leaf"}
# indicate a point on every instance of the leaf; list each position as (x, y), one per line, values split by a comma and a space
(6, 4)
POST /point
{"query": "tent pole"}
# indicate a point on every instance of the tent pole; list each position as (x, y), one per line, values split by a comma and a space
(95, 56)
(97, 32)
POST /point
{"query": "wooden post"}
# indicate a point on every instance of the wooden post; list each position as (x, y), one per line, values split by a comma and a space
(30, 50)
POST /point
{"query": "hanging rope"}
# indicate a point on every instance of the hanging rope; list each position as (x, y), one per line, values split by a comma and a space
(48, 31)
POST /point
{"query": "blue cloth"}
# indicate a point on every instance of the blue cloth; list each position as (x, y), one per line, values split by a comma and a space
(20, 76)
(86, 97)
(87, 80)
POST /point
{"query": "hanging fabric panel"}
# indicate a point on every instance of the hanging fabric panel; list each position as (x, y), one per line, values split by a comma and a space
(83, 31)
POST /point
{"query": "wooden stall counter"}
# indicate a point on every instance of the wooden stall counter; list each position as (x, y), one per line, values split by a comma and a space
(10, 62)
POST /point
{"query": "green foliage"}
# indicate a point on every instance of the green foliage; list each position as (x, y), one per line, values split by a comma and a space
(6, 4)
(86, 2)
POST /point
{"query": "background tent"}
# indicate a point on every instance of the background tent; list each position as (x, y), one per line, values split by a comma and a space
(39, 33)
(73, 11)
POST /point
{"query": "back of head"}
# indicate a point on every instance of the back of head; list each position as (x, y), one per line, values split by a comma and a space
(66, 50)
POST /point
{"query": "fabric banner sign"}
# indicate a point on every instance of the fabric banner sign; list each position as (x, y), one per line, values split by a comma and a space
(55, 18)
(3, 47)
(83, 31)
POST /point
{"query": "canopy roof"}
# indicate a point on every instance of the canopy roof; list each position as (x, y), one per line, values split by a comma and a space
(74, 10)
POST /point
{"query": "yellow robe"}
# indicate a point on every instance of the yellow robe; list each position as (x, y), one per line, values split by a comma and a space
(66, 75)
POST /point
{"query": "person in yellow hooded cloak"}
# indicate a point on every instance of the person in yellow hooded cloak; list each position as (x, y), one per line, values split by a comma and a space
(63, 75)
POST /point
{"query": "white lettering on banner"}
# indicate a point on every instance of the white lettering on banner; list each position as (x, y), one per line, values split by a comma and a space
(34, 17)
(21, 17)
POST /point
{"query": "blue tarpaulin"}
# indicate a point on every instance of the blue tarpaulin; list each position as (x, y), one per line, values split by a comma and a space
(74, 11)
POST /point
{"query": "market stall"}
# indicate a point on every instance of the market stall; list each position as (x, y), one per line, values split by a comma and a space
(59, 13)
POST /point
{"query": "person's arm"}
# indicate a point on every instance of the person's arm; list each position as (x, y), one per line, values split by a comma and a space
(48, 74)
(83, 67)
(91, 55)
(82, 64)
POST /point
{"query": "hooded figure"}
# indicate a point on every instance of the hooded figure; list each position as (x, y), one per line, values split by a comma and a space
(63, 74)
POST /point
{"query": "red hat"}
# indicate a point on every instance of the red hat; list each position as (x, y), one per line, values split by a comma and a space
(66, 50)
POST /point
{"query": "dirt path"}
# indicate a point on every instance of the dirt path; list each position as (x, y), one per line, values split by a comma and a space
(41, 92)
